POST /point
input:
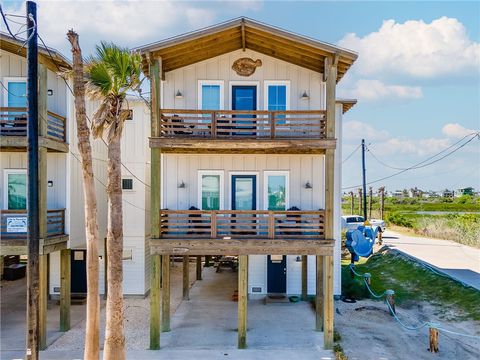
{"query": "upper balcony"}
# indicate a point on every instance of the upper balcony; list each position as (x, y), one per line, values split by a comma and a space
(292, 131)
(13, 130)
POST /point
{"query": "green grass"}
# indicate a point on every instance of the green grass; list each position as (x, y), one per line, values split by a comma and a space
(411, 283)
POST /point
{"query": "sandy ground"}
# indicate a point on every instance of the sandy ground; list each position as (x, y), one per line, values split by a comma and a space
(369, 332)
(137, 322)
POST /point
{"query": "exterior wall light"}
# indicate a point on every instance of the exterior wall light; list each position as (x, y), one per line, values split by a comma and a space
(182, 185)
(308, 185)
(49, 92)
(298, 259)
(304, 95)
(50, 183)
(178, 95)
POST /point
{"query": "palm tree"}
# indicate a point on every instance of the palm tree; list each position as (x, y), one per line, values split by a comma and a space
(112, 72)
(92, 333)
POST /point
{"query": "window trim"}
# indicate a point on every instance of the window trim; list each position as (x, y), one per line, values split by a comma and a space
(221, 173)
(7, 172)
(211, 82)
(7, 80)
(268, 173)
(267, 83)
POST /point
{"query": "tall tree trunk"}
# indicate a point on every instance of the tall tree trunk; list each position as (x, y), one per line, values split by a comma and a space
(92, 338)
(114, 348)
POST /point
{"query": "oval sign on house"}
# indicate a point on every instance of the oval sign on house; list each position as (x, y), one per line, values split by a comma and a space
(246, 66)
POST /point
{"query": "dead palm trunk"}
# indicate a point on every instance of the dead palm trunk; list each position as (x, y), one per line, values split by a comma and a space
(114, 348)
(92, 342)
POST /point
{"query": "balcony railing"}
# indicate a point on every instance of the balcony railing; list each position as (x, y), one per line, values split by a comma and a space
(224, 124)
(13, 122)
(14, 224)
(239, 224)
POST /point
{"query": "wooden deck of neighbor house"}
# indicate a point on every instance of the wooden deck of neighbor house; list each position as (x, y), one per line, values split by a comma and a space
(13, 130)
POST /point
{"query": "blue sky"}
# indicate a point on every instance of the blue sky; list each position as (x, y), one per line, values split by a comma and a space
(417, 79)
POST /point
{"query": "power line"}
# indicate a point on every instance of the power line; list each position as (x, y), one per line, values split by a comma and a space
(416, 166)
(427, 159)
(90, 121)
(351, 154)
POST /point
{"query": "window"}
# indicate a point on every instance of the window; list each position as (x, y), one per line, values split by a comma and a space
(276, 190)
(277, 96)
(15, 92)
(15, 196)
(210, 95)
(210, 190)
(127, 184)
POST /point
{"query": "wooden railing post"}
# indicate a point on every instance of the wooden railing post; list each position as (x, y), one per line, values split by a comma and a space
(271, 225)
(214, 125)
(213, 224)
(272, 125)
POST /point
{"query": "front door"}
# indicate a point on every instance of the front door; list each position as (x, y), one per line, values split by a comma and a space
(244, 98)
(78, 272)
(277, 274)
(244, 192)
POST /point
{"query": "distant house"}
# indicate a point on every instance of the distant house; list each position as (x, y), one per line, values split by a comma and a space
(448, 193)
(466, 191)
(398, 194)
(415, 192)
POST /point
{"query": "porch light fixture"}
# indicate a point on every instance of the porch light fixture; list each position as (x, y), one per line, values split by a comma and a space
(178, 95)
(298, 259)
(182, 185)
(49, 92)
(304, 95)
(50, 183)
(308, 185)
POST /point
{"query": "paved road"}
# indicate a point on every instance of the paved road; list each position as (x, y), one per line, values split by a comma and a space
(458, 261)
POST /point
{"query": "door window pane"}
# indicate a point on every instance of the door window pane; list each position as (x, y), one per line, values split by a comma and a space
(17, 191)
(211, 97)
(210, 192)
(244, 199)
(276, 192)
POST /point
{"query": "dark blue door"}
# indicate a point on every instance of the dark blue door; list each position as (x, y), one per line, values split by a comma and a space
(244, 97)
(78, 272)
(244, 192)
(277, 274)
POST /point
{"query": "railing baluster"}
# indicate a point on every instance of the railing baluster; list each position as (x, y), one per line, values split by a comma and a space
(271, 225)
(214, 125)
(213, 224)
(272, 125)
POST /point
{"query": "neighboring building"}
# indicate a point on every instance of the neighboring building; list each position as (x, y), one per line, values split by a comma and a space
(448, 194)
(415, 193)
(398, 193)
(60, 178)
(466, 191)
(245, 160)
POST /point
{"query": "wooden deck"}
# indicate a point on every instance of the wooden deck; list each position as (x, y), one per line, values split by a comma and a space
(13, 130)
(239, 232)
(253, 131)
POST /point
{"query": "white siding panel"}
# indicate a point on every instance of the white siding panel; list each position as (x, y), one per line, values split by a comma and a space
(257, 273)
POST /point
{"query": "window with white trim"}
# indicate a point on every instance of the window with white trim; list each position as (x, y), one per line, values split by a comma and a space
(210, 94)
(15, 193)
(210, 190)
(276, 190)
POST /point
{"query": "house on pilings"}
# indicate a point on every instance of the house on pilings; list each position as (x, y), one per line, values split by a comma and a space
(246, 160)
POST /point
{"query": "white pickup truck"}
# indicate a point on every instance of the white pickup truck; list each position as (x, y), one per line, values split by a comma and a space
(351, 222)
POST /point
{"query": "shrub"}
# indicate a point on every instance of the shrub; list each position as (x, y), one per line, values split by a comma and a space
(400, 220)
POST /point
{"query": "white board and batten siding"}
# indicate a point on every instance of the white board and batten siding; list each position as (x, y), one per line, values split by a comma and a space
(186, 80)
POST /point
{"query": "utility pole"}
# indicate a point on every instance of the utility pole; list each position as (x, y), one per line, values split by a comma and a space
(33, 213)
(364, 181)
(352, 202)
(382, 201)
(370, 201)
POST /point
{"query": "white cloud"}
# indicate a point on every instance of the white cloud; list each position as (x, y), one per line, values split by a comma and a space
(416, 147)
(372, 90)
(356, 130)
(416, 49)
(128, 23)
(456, 130)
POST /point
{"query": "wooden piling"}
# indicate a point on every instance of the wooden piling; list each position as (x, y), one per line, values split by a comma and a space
(319, 294)
(165, 281)
(65, 288)
(155, 306)
(304, 277)
(186, 278)
(433, 337)
(199, 268)
(242, 300)
(328, 311)
(42, 302)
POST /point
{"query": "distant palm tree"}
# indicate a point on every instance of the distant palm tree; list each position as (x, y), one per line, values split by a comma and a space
(112, 72)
